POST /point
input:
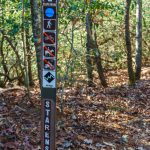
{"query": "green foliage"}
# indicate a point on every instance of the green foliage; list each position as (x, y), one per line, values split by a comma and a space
(108, 18)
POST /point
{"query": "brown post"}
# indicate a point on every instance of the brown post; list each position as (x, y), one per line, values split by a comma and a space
(49, 63)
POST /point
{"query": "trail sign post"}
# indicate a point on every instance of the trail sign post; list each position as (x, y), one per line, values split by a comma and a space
(49, 57)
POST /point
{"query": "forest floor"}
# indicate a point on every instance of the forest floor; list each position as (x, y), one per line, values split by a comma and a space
(114, 118)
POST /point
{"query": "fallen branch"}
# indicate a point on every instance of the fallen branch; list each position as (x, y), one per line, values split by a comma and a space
(11, 89)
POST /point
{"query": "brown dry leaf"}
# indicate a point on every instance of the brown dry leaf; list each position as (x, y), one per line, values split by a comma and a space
(80, 137)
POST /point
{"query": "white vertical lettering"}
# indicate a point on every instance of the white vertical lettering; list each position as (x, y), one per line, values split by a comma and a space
(46, 135)
(47, 112)
(46, 141)
(47, 148)
(46, 120)
(47, 104)
(47, 127)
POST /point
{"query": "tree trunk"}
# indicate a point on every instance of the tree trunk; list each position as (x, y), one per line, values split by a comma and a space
(92, 44)
(36, 29)
(26, 79)
(31, 82)
(20, 79)
(88, 57)
(3, 62)
(138, 40)
(99, 62)
(128, 43)
(1, 49)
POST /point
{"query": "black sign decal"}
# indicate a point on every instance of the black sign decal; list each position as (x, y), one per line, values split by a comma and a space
(49, 37)
(49, 77)
(49, 51)
(49, 64)
(50, 24)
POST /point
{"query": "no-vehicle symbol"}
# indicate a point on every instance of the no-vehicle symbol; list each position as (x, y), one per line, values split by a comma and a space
(49, 37)
(49, 64)
(49, 51)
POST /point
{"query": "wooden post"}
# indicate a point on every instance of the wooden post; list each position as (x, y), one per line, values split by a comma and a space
(49, 63)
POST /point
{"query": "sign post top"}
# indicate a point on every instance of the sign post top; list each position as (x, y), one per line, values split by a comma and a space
(49, 1)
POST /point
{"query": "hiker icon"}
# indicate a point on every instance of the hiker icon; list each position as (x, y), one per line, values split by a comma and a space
(50, 24)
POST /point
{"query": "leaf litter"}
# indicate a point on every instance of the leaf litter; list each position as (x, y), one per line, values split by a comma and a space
(115, 118)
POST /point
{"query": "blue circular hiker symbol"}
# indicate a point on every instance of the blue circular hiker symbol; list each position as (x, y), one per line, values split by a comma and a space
(49, 12)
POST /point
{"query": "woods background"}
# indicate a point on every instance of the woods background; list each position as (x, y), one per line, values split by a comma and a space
(92, 40)
(103, 75)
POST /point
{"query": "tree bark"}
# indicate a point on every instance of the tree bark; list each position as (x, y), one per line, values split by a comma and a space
(31, 82)
(88, 57)
(128, 43)
(138, 40)
(92, 44)
(3, 62)
(1, 49)
(36, 29)
(20, 79)
(26, 78)
(99, 64)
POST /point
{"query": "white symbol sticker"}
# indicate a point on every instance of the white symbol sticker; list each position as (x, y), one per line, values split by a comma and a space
(49, 79)
(49, 24)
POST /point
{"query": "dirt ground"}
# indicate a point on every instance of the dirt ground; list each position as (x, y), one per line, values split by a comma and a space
(114, 118)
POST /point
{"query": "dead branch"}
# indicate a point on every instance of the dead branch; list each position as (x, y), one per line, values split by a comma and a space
(2, 91)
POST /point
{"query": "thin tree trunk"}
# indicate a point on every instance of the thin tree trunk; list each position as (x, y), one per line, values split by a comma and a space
(25, 53)
(138, 40)
(26, 79)
(100, 68)
(1, 44)
(92, 44)
(36, 34)
(3, 61)
(1, 48)
(31, 82)
(88, 57)
(3, 57)
(128, 43)
(99, 63)
(20, 79)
